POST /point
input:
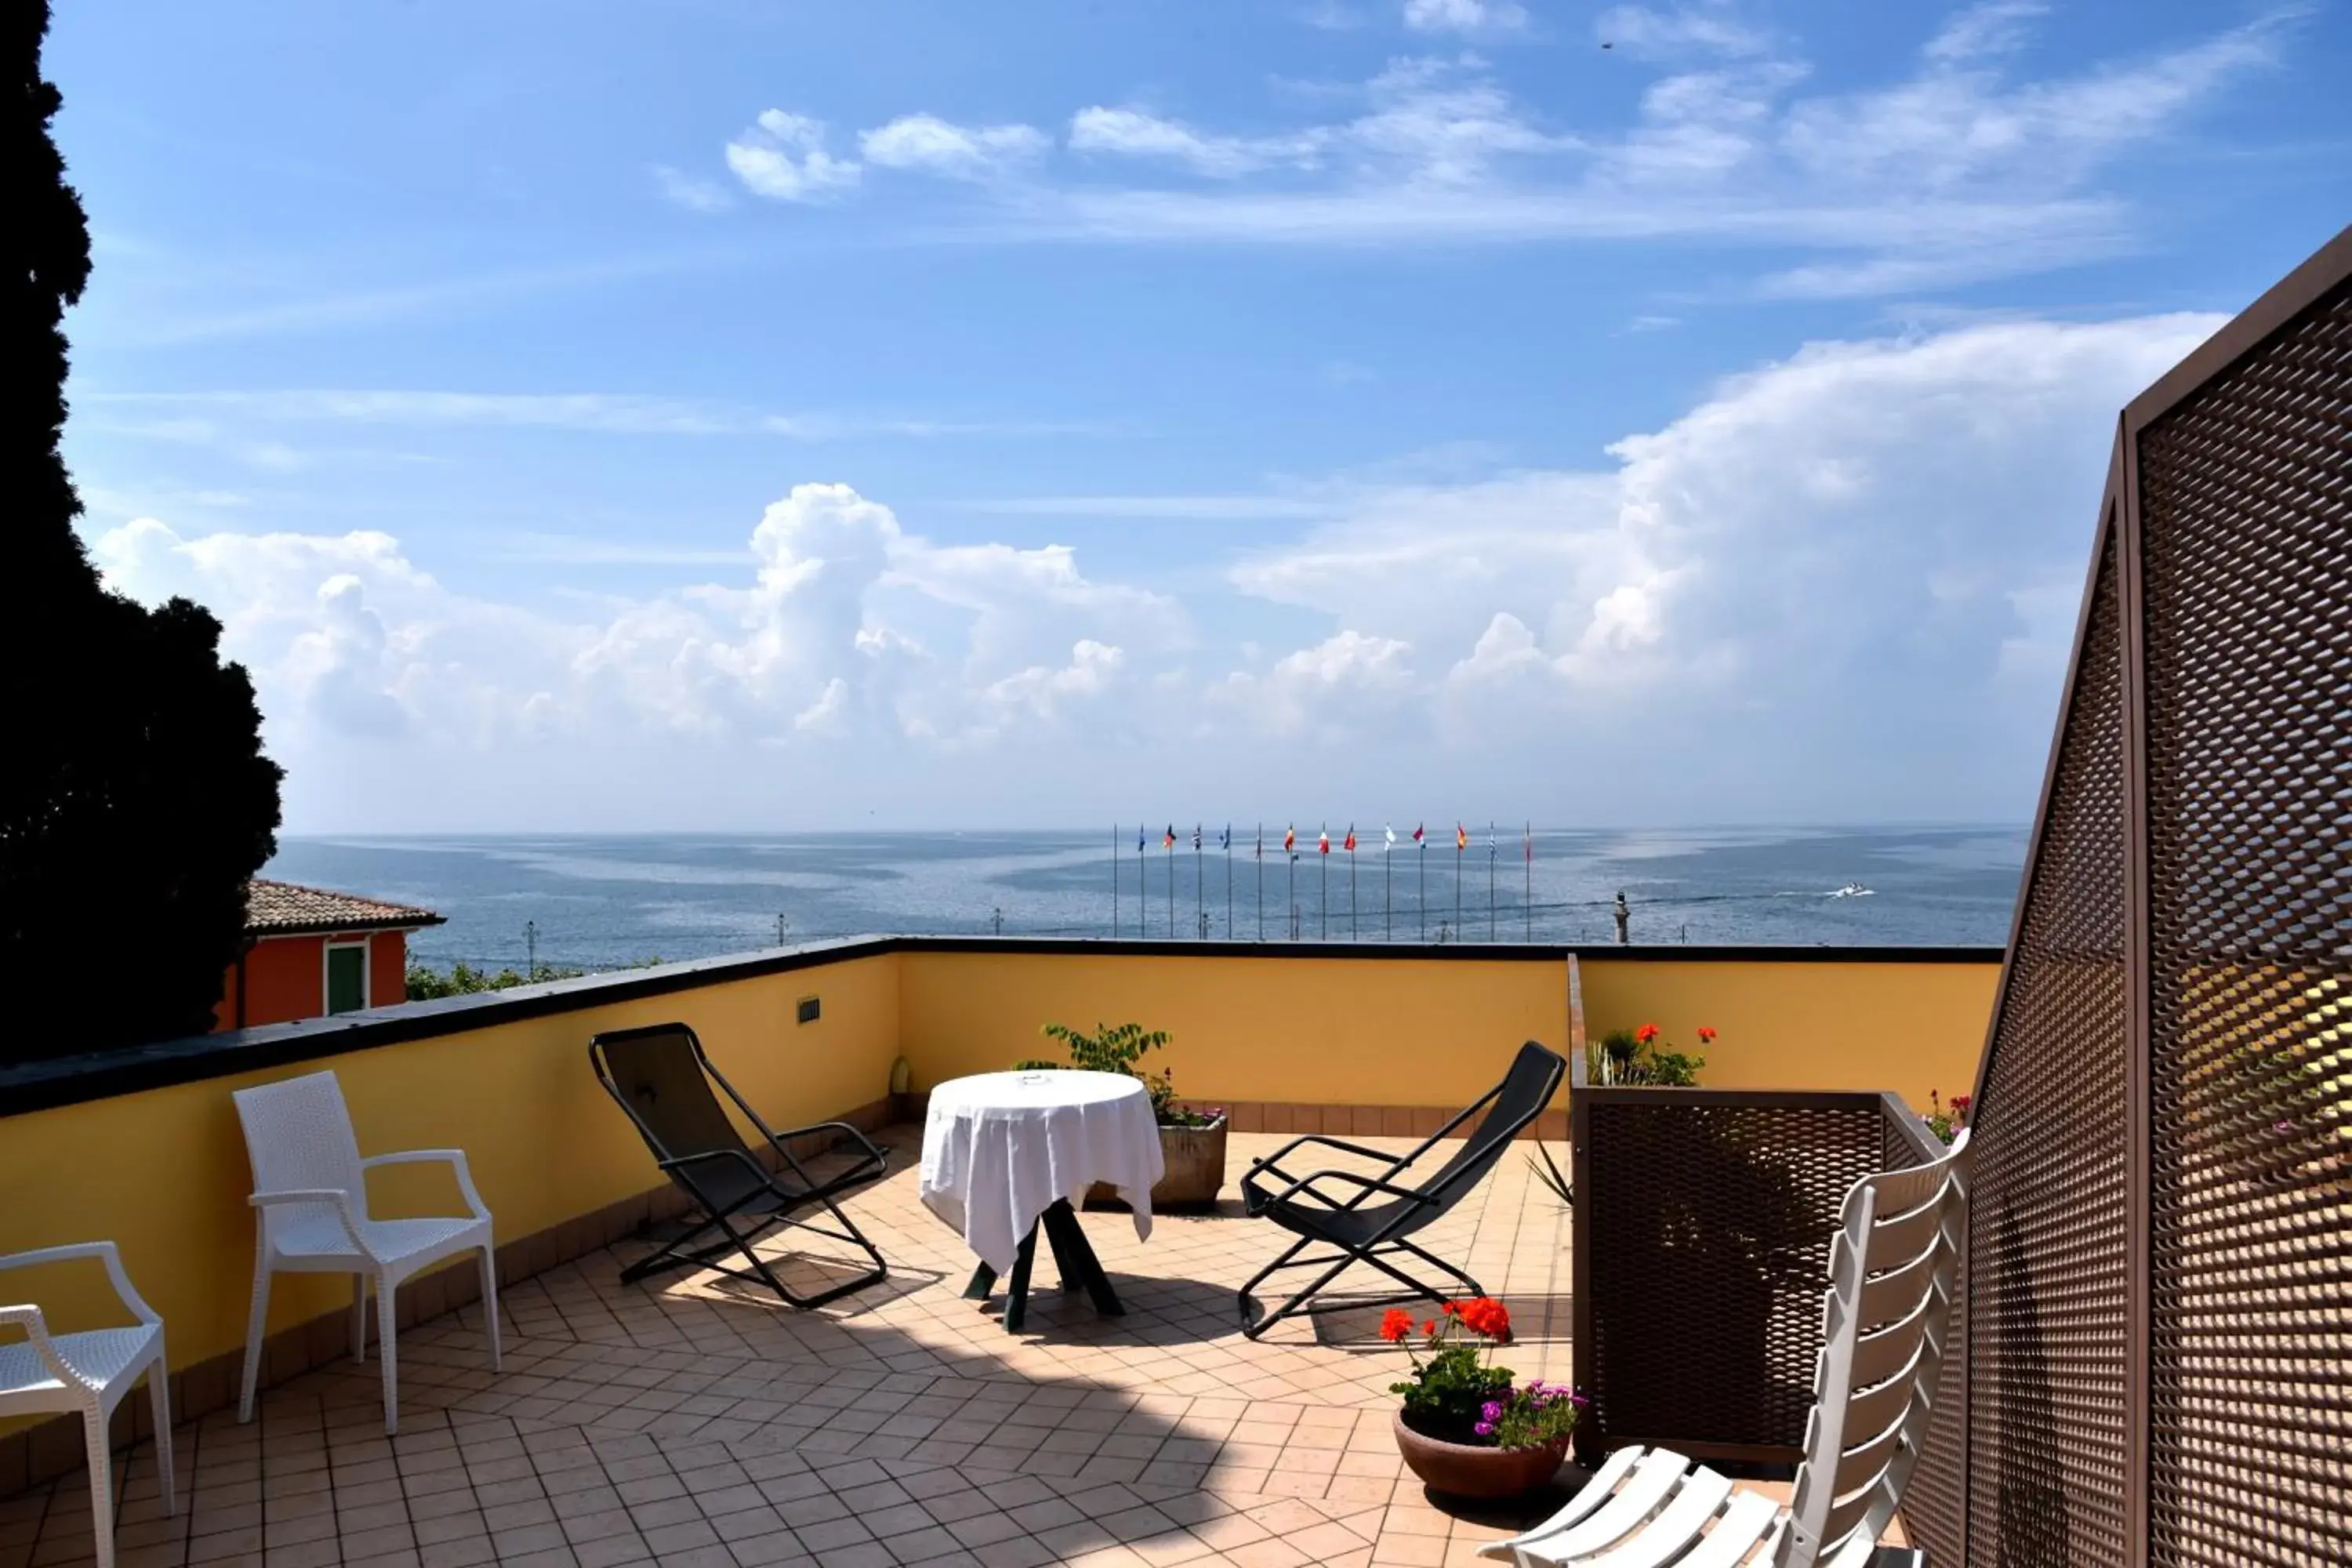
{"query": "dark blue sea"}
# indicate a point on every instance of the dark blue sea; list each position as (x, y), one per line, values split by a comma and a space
(598, 901)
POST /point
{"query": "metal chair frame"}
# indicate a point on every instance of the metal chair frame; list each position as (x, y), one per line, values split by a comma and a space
(1294, 1205)
(767, 1204)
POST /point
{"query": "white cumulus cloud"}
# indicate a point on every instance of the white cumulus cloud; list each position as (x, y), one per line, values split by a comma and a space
(926, 142)
(1132, 132)
(783, 157)
(1837, 583)
(1463, 15)
(1963, 163)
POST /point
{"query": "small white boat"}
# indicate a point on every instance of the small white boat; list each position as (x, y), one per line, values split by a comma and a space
(1851, 891)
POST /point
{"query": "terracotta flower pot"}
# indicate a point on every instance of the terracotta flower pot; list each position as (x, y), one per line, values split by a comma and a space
(1195, 1157)
(1464, 1470)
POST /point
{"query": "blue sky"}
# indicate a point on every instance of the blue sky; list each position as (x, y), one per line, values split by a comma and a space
(798, 414)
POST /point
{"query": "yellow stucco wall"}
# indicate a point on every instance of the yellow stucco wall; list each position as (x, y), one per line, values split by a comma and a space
(162, 1173)
(1307, 1030)
(1438, 1031)
(1910, 1028)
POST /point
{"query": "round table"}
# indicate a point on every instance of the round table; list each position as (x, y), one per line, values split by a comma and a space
(1005, 1153)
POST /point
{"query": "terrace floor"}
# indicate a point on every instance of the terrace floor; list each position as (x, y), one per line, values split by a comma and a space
(690, 1423)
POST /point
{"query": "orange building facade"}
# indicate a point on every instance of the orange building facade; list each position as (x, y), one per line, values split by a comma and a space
(310, 951)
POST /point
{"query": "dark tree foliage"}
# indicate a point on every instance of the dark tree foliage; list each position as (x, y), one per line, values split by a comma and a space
(135, 799)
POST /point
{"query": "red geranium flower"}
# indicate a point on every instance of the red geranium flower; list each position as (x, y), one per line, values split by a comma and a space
(1430, 1327)
(1395, 1323)
(1488, 1317)
(1647, 1033)
(1705, 1034)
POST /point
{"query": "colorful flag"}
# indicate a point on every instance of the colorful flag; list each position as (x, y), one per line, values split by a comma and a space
(1167, 840)
(1323, 841)
(1139, 840)
(1416, 833)
(1196, 835)
(1391, 831)
(1492, 848)
(1226, 840)
(1351, 844)
(1290, 838)
(1461, 838)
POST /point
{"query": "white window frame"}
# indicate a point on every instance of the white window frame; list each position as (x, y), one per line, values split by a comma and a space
(364, 943)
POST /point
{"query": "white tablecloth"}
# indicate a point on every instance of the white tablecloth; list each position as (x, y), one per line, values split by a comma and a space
(1000, 1148)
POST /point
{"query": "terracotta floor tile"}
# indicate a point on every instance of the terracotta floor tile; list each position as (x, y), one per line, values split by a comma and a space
(694, 1422)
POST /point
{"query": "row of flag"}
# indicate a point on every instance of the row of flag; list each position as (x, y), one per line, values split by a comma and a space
(1418, 836)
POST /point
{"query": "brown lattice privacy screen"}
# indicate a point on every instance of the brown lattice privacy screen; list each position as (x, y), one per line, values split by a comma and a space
(1703, 1224)
(2159, 1276)
(2156, 1364)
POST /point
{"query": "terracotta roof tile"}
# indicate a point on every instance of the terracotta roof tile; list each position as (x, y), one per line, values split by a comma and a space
(277, 907)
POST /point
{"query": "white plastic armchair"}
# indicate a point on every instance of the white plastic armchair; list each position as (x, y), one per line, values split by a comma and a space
(1894, 1268)
(89, 1372)
(311, 1217)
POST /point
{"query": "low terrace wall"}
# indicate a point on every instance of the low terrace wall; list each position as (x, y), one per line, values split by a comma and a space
(144, 1146)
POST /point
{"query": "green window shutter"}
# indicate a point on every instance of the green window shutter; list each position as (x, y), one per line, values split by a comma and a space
(346, 979)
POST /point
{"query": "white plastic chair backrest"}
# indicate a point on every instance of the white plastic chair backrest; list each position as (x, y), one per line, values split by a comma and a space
(1893, 1272)
(298, 1136)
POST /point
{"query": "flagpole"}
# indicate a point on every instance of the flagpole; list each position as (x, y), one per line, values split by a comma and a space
(1461, 848)
(1323, 898)
(1421, 899)
(1261, 881)
(1490, 879)
(1114, 881)
(1142, 891)
(1170, 844)
(1528, 903)
(1387, 889)
(1229, 881)
(1199, 888)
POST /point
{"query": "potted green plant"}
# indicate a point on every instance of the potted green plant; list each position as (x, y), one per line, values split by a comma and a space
(1640, 1057)
(1626, 1059)
(1945, 1120)
(1192, 1142)
(1467, 1426)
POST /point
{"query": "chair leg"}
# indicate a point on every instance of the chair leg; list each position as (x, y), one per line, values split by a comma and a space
(1297, 1302)
(386, 1288)
(1420, 1287)
(691, 1251)
(101, 1483)
(159, 1395)
(489, 1266)
(256, 1323)
(358, 1317)
(1469, 1284)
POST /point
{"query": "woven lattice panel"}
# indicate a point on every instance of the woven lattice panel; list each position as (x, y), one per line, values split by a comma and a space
(2047, 1218)
(1708, 1223)
(2246, 507)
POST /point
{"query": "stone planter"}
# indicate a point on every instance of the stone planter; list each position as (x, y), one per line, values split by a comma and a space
(1460, 1469)
(1195, 1157)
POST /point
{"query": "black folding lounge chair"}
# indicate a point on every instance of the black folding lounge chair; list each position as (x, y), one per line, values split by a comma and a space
(661, 1076)
(1338, 1208)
